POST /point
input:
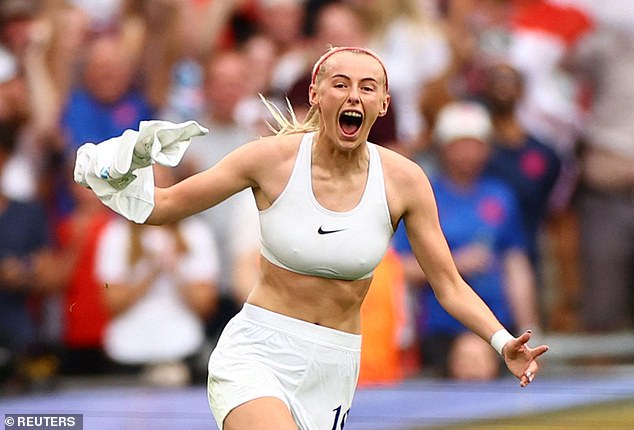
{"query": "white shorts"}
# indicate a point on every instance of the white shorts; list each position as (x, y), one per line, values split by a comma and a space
(312, 369)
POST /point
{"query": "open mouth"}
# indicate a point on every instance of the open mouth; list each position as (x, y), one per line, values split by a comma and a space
(350, 122)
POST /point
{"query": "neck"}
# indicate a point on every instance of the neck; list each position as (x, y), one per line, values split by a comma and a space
(509, 131)
(338, 159)
(460, 180)
(221, 118)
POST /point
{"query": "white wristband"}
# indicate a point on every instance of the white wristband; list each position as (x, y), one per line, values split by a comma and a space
(499, 339)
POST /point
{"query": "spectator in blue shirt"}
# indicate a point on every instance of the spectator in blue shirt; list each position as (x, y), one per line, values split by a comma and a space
(104, 103)
(107, 102)
(483, 226)
(528, 165)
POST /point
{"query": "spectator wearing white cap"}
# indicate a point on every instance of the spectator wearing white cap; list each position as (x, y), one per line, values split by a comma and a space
(482, 223)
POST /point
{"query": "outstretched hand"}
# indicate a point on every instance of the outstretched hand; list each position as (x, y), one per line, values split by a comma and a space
(521, 359)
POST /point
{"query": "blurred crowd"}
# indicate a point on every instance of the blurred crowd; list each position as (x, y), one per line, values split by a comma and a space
(520, 111)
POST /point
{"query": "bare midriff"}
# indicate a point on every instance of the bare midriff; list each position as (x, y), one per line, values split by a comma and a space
(327, 302)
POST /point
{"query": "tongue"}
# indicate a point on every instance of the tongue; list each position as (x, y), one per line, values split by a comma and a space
(349, 129)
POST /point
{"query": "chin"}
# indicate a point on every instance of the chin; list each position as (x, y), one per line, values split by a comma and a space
(350, 142)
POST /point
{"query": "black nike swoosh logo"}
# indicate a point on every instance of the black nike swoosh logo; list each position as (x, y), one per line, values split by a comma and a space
(322, 231)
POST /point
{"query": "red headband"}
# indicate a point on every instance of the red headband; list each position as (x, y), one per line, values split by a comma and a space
(328, 54)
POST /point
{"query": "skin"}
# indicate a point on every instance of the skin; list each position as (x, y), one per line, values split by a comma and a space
(350, 81)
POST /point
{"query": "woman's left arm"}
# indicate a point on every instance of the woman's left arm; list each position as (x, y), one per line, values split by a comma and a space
(417, 206)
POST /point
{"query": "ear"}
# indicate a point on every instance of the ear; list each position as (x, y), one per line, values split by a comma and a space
(312, 95)
(384, 106)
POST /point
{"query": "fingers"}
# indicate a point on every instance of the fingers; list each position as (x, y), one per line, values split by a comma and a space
(529, 374)
(527, 378)
(525, 337)
(533, 353)
(537, 351)
(523, 340)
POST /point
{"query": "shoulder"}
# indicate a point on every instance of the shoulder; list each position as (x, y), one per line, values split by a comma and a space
(278, 144)
(398, 169)
(542, 146)
(269, 152)
(261, 161)
(406, 184)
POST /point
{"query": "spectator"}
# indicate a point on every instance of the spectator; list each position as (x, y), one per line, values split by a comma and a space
(107, 101)
(28, 96)
(26, 276)
(482, 223)
(103, 103)
(203, 28)
(312, 8)
(150, 34)
(475, 32)
(551, 105)
(84, 312)
(283, 22)
(260, 54)
(528, 165)
(70, 26)
(214, 25)
(606, 196)
(159, 287)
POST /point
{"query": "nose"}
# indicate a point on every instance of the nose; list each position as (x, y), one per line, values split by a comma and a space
(353, 95)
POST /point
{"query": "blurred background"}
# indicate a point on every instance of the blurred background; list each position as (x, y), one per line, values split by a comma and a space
(520, 111)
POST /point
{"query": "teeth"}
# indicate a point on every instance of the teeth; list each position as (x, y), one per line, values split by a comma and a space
(353, 114)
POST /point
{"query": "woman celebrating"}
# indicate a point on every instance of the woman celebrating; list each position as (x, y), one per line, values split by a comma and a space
(329, 202)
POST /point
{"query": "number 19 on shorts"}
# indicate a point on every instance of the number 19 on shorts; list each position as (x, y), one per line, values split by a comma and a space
(340, 420)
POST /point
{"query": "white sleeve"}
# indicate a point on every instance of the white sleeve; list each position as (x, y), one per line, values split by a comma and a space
(202, 260)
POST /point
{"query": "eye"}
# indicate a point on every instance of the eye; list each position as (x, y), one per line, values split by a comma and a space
(368, 86)
(339, 85)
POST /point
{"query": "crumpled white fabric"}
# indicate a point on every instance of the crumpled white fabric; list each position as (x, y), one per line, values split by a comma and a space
(119, 171)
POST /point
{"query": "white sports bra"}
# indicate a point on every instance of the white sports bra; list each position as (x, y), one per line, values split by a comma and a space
(300, 235)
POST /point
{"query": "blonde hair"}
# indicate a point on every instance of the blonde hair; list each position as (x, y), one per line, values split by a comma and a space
(290, 124)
